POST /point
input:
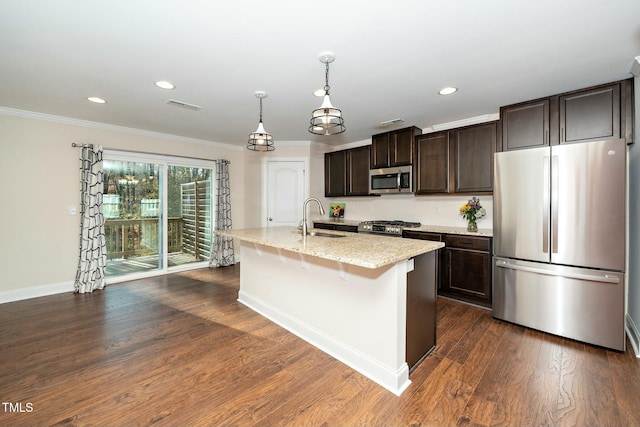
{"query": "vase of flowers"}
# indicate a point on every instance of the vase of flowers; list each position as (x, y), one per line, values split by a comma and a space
(472, 211)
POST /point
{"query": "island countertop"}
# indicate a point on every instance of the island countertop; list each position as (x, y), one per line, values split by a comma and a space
(364, 250)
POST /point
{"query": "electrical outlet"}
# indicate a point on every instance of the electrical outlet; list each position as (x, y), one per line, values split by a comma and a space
(73, 210)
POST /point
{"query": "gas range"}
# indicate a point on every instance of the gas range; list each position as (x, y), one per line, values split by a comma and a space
(389, 228)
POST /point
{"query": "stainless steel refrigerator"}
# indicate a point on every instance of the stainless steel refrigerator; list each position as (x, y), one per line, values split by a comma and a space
(559, 240)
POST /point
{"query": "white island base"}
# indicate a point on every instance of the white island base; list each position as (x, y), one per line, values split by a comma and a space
(355, 314)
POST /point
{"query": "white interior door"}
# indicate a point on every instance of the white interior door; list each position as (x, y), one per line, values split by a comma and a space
(285, 192)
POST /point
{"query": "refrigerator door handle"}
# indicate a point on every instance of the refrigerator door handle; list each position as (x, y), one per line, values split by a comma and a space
(545, 206)
(554, 204)
(591, 277)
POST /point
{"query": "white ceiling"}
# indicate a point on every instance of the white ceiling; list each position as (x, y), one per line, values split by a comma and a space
(391, 59)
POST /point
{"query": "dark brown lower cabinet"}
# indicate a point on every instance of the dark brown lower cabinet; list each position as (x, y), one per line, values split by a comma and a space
(421, 309)
(467, 274)
(463, 266)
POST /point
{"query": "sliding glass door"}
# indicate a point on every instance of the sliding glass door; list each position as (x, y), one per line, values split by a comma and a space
(158, 214)
(131, 202)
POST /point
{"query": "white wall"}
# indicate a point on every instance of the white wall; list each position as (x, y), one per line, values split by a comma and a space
(633, 273)
(39, 176)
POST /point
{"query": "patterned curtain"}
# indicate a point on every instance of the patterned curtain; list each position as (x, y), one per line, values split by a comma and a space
(93, 251)
(222, 251)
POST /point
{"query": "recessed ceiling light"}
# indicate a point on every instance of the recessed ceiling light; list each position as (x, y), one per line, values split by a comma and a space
(97, 100)
(448, 90)
(163, 84)
(319, 93)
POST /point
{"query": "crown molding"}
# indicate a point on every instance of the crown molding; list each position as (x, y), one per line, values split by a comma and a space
(354, 144)
(461, 123)
(114, 128)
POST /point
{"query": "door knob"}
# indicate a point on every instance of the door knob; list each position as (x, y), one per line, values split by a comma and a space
(270, 219)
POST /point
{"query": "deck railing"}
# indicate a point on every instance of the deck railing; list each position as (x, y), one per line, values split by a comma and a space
(127, 238)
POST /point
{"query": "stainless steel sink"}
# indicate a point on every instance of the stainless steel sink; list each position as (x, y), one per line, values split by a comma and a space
(321, 234)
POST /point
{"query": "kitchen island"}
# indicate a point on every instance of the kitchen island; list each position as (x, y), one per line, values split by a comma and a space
(345, 293)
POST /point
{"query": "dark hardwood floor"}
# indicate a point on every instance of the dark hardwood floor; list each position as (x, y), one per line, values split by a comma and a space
(179, 350)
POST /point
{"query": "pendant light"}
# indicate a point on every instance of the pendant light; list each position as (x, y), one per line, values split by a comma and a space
(260, 140)
(327, 120)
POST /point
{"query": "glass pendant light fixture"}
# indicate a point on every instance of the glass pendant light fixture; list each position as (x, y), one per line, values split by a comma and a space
(327, 120)
(260, 140)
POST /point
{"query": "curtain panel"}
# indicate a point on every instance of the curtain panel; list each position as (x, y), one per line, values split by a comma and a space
(222, 253)
(93, 251)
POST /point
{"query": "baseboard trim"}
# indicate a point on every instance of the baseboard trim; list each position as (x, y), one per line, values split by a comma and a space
(35, 292)
(394, 381)
(634, 335)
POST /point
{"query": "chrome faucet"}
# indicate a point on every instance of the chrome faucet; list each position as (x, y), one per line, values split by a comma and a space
(305, 228)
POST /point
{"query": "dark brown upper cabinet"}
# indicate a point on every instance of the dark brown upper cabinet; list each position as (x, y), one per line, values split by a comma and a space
(591, 114)
(456, 161)
(525, 125)
(335, 173)
(473, 149)
(346, 172)
(379, 151)
(358, 171)
(432, 163)
(393, 148)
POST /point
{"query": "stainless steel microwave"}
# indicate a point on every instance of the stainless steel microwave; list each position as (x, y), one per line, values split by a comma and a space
(391, 180)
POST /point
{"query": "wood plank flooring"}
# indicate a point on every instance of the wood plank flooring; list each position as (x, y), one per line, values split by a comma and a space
(179, 350)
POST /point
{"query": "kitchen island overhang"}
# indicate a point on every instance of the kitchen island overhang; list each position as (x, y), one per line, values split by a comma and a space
(345, 295)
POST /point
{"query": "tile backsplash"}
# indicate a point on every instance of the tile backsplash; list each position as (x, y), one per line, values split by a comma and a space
(431, 210)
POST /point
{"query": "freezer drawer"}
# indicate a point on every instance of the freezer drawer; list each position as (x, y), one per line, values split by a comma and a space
(582, 304)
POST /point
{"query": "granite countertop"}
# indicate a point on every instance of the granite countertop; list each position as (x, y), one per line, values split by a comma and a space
(482, 232)
(364, 250)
